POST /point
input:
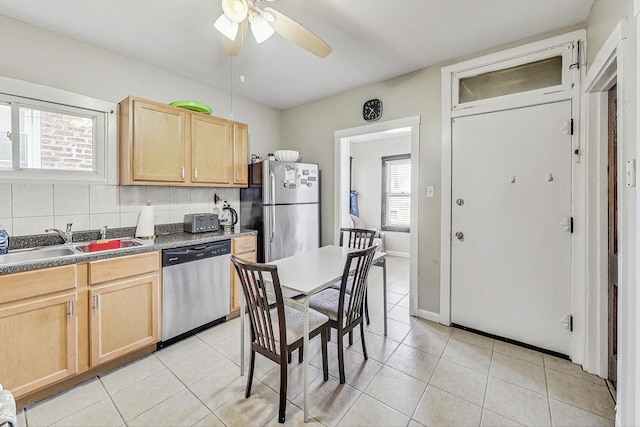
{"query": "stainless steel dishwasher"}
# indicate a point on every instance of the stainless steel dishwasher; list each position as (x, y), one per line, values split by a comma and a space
(196, 291)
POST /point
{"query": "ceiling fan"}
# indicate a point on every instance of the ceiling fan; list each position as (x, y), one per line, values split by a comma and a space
(238, 15)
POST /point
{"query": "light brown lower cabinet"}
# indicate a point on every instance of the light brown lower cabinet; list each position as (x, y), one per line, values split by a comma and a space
(125, 309)
(244, 248)
(60, 324)
(38, 328)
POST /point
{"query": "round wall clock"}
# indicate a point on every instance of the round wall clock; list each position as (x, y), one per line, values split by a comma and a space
(372, 110)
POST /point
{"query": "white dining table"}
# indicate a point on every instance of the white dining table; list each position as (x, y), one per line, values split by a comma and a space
(304, 275)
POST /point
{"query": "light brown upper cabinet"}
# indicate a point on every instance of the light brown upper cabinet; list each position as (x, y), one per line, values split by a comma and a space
(165, 145)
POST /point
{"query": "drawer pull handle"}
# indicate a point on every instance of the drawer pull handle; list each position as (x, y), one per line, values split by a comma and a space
(182, 174)
(96, 302)
(72, 309)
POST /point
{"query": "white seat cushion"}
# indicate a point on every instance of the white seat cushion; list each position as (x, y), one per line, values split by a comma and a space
(295, 323)
(326, 302)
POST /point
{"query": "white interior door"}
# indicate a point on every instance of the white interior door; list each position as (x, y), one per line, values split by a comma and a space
(511, 200)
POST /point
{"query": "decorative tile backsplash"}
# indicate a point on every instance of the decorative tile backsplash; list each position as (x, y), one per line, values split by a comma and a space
(27, 209)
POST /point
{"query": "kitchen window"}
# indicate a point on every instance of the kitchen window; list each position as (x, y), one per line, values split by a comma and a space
(396, 193)
(53, 140)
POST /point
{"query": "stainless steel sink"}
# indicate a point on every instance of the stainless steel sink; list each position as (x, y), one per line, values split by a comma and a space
(36, 254)
(109, 245)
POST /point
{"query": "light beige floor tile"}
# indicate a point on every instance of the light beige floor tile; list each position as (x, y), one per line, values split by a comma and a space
(439, 408)
(491, 419)
(405, 301)
(472, 338)
(101, 413)
(426, 340)
(564, 415)
(209, 421)
(131, 373)
(294, 417)
(295, 377)
(256, 410)
(395, 330)
(413, 362)
(569, 368)
(414, 423)
(581, 393)
(468, 355)
(198, 365)
(215, 389)
(519, 372)
(181, 409)
(328, 401)
(358, 372)
(516, 403)
(429, 326)
(396, 389)
(401, 314)
(67, 403)
(379, 348)
(181, 350)
(460, 381)
(143, 395)
(368, 412)
(518, 352)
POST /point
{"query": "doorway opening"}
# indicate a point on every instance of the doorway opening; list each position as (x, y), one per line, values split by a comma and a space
(612, 233)
(362, 141)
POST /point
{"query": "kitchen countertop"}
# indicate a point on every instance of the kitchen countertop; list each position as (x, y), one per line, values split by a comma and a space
(164, 241)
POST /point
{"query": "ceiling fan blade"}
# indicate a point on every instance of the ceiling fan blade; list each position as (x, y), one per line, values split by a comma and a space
(297, 33)
(233, 48)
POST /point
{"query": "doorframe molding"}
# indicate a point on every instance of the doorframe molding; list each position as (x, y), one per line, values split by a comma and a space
(342, 152)
(608, 68)
(447, 78)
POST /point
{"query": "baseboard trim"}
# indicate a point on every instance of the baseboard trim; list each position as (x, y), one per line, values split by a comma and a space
(429, 315)
(398, 254)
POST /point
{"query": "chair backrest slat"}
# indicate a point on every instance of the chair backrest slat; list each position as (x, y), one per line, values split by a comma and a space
(256, 280)
(356, 269)
(357, 238)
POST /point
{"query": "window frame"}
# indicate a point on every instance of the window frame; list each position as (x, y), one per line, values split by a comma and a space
(384, 195)
(18, 94)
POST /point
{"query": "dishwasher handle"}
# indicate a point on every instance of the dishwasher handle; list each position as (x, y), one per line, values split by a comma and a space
(194, 253)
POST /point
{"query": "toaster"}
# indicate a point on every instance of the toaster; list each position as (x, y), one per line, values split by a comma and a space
(201, 223)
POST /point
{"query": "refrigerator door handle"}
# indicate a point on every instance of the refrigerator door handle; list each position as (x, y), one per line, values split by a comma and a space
(273, 208)
(272, 219)
(272, 176)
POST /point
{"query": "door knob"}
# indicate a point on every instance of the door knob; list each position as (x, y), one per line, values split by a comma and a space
(460, 235)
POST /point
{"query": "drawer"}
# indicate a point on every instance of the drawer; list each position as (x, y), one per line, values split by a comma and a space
(27, 284)
(107, 270)
(241, 245)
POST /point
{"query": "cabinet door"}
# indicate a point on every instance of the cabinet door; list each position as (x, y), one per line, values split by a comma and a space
(39, 342)
(240, 155)
(244, 248)
(124, 317)
(159, 143)
(211, 152)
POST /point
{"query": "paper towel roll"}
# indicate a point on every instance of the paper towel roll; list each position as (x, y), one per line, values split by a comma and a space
(146, 220)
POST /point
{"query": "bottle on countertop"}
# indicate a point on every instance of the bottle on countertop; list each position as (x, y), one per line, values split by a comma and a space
(4, 241)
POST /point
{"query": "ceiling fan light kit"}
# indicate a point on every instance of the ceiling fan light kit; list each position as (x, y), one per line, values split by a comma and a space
(227, 27)
(264, 22)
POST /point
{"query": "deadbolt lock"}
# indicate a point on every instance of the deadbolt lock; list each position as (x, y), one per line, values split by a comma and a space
(460, 202)
(460, 235)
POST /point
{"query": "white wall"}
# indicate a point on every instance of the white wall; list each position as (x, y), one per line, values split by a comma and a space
(367, 181)
(31, 54)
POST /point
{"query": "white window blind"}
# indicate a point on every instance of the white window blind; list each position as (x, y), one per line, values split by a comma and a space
(396, 192)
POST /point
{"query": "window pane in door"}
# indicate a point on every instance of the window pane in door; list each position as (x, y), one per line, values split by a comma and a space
(508, 81)
(5, 141)
(56, 141)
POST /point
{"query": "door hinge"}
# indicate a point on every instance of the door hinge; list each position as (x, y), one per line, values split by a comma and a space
(571, 129)
(571, 225)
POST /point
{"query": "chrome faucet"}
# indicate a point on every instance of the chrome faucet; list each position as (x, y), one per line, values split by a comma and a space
(103, 232)
(67, 236)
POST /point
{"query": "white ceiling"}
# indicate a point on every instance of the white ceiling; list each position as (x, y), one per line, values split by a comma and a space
(372, 40)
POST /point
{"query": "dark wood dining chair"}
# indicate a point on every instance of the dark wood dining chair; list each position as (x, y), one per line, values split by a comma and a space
(357, 238)
(268, 323)
(345, 310)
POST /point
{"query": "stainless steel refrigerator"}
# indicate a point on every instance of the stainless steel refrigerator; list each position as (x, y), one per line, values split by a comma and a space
(282, 203)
